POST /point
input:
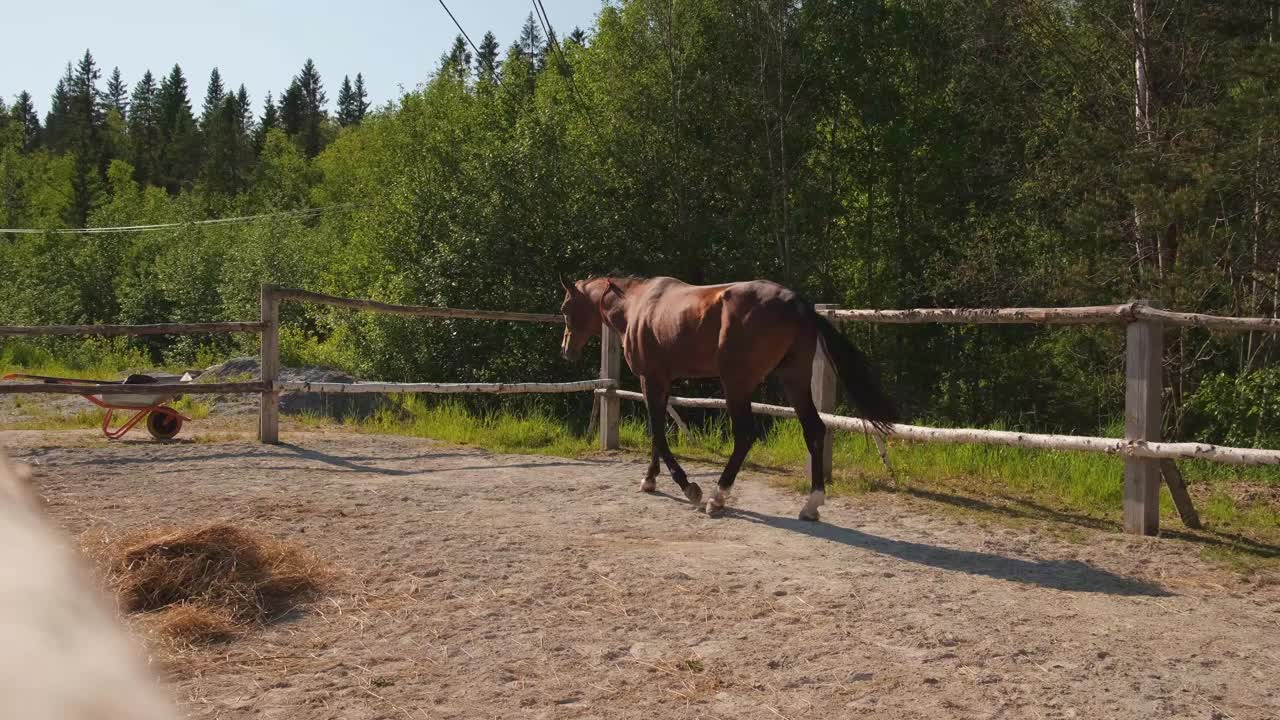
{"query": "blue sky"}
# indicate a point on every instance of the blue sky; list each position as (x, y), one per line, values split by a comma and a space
(395, 43)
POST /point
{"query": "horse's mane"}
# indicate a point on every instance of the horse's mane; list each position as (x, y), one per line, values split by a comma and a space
(615, 276)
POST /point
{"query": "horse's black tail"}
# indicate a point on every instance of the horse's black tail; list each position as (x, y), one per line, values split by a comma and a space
(861, 381)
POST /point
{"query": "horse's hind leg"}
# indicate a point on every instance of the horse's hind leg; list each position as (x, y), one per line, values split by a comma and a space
(796, 373)
(650, 482)
(744, 436)
(655, 397)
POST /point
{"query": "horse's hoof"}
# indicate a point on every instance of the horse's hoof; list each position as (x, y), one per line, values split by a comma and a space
(716, 504)
(810, 511)
(694, 493)
(649, 485)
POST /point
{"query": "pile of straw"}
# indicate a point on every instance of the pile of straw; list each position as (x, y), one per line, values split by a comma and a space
(208, 584)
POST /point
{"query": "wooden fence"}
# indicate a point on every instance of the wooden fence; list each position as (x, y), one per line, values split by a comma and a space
(1146, 458)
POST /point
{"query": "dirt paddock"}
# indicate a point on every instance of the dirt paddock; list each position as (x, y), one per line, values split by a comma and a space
(492, 586)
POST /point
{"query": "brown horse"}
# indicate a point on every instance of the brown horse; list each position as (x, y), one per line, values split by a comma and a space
(738, 332)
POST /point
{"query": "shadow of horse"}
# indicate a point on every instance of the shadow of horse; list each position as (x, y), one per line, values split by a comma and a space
(1022, 508)
(1065, 575)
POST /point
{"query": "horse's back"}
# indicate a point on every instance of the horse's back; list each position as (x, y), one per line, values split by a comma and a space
(686, 328)
(672, 302)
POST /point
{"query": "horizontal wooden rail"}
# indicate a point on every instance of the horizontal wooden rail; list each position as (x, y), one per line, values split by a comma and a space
(1109, 446)
(445, 388)
(990, 316)
(134, 389)
(1210, 322)
(115, 330)
(413, 310)
(1098, 314)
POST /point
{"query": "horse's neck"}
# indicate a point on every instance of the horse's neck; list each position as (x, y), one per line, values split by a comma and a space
(614, 309)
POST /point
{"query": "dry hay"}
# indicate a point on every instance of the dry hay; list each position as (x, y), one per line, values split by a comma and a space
(210, 583)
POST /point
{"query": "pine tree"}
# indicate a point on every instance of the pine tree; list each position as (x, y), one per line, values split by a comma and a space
(144, 129)
(228, 144)
(214, 95)
(223, 171)
(219, 129)
(86, 138)
(346, 103)
(313, 109)
(244, 120)
(292, 113)
(361, 99)
(179, 157)
(244, 135)
(487, 60)
(457, 61)
(270, 121)
(577, 37)
(24, 114)
(55, 121)
(531, 44)
(117, 97)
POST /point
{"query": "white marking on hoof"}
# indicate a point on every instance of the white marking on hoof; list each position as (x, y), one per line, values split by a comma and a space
(717, 502)
(648, 485)
(816, 500)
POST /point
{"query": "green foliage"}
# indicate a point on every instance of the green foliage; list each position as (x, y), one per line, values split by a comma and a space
(894, 154)
(1241, 410)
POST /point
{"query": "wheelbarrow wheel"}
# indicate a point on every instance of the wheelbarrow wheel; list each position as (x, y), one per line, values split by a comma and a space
(163, 425)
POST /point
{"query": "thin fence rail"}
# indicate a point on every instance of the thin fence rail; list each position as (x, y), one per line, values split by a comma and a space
(1086, 315)
(413, 310)
(118, 330)
(444, 388)
(989, 316)
(158, 389)
(1039, 441)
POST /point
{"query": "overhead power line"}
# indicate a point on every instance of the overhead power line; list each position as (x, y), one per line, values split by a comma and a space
(309, 212)
(552, 40)
(493, 72)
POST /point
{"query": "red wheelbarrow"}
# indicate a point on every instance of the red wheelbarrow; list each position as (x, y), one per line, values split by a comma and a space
(163, 422)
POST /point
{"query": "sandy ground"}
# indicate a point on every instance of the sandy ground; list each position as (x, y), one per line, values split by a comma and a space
(492, 586)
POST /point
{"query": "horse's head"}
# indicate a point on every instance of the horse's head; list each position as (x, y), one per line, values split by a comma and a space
(581, 320)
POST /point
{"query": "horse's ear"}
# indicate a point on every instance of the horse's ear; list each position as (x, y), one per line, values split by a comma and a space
(568, 286)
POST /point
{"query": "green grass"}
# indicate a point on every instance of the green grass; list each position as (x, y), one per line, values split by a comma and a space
(90, 418)
(536, 432)
(89, 360)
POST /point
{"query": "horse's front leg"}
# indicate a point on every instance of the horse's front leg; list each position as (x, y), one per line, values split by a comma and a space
(655, 398)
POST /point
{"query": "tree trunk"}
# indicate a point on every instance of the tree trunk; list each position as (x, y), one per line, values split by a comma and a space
(1141, 116)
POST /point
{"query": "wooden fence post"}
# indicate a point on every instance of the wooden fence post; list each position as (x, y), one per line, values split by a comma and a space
(823, 386)
(1144, 382)
(610, 404)
(269, 363)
